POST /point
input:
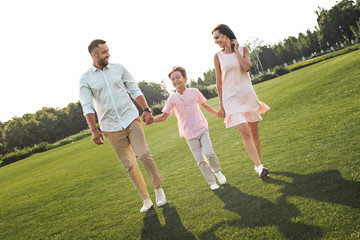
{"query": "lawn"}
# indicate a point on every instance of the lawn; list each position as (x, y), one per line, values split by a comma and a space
(310, 143)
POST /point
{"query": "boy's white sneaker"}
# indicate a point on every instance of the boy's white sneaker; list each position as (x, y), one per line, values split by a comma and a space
(220, 177)
(147, 205)
(214, 186)
(160, 197)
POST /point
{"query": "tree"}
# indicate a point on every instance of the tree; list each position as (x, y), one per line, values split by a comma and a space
(153, 92)
(312, 41)
(76, 118)
(356, 30)
(209, 77)
(2, 145)
(47, 120)
(192, 83)
(15, 135)
(291, 49)
(254, 48)
(200, 82)
(334, 24)
(267, 57)
(32, 129)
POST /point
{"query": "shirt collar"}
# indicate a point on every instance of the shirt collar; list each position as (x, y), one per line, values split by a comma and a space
(179, 94)
(94, 69)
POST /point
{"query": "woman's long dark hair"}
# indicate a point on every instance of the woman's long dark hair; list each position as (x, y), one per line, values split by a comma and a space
(224, 29)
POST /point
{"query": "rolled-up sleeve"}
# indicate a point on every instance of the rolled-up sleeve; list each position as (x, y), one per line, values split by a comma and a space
(131, 85)
(200, 99)
(167, 107)
(85, 97)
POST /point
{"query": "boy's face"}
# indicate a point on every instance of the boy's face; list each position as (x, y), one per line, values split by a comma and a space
(177, 80)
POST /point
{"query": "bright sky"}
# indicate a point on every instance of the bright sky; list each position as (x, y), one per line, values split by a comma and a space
(44, 43)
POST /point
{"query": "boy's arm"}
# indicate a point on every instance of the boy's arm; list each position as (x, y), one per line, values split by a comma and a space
(161, 118)
(209, 109)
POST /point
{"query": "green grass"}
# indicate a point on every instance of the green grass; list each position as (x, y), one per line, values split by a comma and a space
(323, 57)
(41, 147)
(310, 143)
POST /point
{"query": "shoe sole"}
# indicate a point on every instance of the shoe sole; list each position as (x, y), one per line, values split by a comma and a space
(161, 204)
(264, 174)
(145, 210)
(223, 180)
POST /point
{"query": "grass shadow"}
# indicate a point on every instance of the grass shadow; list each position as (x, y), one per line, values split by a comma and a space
(173, 228)
(258, 212)
(327, 186)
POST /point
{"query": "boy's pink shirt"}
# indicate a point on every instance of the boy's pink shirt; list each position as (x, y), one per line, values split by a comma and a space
(191, 120)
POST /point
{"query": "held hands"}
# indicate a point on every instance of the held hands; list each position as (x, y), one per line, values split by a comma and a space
(147, 118)
(221, 113)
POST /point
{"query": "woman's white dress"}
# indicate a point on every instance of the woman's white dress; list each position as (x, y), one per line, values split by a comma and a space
(240, 102)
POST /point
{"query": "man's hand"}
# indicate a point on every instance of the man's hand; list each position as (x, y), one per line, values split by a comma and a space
(97, 137)
(147, 117)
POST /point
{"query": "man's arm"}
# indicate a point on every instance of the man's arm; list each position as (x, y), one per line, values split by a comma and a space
(88, 110)
(147, 116)
(135, 93)
(97, 136)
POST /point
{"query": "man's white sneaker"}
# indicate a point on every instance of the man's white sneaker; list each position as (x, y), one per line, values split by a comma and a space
(147, 205)
(214, 186)
(160, 197)
(220, 177)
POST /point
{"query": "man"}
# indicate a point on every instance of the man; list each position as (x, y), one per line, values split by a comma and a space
(104, 88)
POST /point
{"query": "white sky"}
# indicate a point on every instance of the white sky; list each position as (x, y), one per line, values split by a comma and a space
(44, 42)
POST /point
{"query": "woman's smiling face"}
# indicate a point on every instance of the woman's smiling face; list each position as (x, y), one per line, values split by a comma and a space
(220, 39)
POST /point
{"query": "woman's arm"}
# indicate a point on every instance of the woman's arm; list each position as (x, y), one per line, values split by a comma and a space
(221, 112)
(244, 61)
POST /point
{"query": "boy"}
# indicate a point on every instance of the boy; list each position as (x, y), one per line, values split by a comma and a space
(193, 125)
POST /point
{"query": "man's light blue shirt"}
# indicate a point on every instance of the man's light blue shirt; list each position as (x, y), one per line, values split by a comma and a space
(106, 92)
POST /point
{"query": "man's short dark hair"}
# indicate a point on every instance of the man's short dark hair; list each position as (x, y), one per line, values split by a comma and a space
(94, 45)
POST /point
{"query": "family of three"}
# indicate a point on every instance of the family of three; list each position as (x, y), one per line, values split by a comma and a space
(105, 89)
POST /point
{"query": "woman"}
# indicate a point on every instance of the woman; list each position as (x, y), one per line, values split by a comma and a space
(239, 104)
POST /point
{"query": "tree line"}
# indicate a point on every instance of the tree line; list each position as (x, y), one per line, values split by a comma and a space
(336, 26)
(46, 125)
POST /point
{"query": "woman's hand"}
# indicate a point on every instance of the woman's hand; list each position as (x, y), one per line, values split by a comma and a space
(221, 113)
(235, 42)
